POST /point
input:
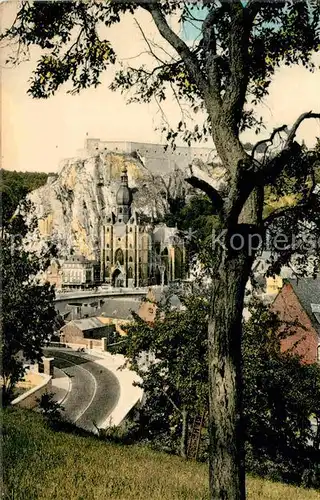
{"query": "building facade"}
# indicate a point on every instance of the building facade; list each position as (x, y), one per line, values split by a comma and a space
(137, 254)
(78, 272)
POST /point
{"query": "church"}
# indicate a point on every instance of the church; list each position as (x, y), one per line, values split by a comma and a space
(135, 254)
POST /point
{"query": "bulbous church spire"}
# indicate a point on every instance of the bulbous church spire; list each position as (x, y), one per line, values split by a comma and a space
(123, 198)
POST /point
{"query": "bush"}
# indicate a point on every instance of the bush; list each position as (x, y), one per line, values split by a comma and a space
(49, 408)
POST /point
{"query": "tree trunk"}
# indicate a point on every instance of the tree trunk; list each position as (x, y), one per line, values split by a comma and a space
(226, 466)
(184, 434)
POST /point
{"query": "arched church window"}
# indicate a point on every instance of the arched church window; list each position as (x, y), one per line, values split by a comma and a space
(130, 259)
(108, 229)
(130, 273)
(107, 259)
(120, 210)
(107, 272)
(118, 256)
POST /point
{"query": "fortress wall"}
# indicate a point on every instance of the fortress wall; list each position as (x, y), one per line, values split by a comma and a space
(157, 158)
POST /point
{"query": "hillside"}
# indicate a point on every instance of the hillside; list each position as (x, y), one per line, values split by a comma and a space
(46, 465)
(28, 180)
(15, 186)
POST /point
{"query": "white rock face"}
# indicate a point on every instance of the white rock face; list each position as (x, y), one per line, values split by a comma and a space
(70, 208)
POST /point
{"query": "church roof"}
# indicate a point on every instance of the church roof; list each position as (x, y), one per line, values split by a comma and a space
(124, 195)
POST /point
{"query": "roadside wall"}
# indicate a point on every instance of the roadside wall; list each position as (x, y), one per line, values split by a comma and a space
(29, 398)
(85, 343)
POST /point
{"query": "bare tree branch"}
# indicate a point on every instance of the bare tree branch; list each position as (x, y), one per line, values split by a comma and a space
(198, 179)
(178, 44)
(148, 43)
(154, 44)
(270, 140)
(296, 125)
(270, 170)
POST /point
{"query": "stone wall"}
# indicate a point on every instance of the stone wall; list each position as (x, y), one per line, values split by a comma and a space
(86, 343)
(29, 398)
(156, 158)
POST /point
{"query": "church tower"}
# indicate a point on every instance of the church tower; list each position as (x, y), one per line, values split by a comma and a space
(123, 199)
(135, 254)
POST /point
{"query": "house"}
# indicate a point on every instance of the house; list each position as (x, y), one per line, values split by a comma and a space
(79, 272)
(87, 332)
(118, 312)
(154, 299)
(148, 308)
(269, 286)
(53, 274)
(299, 300)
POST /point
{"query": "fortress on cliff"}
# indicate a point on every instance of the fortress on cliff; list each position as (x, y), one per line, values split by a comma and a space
(154, 156)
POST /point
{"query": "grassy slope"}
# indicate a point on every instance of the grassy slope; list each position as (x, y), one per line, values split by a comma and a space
(42, 464)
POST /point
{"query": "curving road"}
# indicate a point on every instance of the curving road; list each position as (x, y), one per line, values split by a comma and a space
(94, 389)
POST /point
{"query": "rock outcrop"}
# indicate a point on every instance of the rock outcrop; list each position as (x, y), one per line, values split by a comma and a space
(70, 208)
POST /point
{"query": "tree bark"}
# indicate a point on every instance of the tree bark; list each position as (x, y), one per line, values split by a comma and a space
(184, 434)
(226, 462)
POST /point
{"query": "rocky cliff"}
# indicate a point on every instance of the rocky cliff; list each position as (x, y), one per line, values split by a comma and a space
(70, 207)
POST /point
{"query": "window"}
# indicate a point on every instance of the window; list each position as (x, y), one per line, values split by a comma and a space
(118, 256)
(130, 259)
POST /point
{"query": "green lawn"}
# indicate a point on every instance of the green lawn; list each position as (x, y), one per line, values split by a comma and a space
(43, 464)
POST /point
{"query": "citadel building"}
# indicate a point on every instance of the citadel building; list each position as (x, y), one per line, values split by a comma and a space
(136, 254)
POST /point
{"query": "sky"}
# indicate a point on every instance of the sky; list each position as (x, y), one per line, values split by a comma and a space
(37, 134)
